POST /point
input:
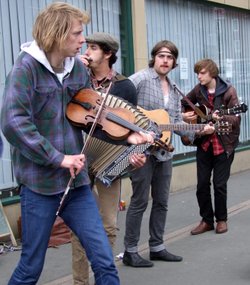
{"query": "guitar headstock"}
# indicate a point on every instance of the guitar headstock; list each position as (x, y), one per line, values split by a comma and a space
(237, 109)
(223, 127)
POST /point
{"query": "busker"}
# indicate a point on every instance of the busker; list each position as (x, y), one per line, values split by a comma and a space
(46, 147)
(215, 152)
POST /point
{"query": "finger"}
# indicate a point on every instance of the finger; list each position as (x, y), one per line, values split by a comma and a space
(72, 172)
(82, 157)
(150, 138)
(84, 60)
(77, 171)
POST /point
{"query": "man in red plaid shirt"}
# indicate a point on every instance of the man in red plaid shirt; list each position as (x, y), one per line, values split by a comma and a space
(215, 152)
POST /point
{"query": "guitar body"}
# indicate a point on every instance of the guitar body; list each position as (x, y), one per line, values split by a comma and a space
(200, 119)
(204, 111)
(159, 116)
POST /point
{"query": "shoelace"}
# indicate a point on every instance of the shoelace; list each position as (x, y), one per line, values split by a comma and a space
(5, 248)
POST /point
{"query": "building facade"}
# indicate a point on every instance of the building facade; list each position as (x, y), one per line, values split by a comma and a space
(216, 29)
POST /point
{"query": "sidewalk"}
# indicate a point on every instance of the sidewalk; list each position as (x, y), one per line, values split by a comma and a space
(207, 259)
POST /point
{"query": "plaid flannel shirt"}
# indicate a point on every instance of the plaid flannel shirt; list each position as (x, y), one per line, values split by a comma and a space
(213, 138)
(150, 97)
(34, 122)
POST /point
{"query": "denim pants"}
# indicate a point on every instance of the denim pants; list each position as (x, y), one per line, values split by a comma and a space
(154, 175)
(81, 215)
(108, 202)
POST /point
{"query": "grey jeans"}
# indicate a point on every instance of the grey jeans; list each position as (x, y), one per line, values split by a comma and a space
(154, 175)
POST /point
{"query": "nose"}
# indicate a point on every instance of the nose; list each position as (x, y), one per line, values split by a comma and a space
(165, 59)
(82, 39)
(87, 51)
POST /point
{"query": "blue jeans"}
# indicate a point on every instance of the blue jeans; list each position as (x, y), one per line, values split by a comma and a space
(81, 215)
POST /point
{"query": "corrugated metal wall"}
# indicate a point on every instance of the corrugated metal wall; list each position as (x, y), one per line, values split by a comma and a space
(16, 22)
(203, 30)
(198, 29)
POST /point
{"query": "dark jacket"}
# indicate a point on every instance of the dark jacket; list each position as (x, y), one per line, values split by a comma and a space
(125, 89)
(226, 95)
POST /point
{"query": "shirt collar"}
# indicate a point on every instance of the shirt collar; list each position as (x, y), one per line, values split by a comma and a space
(101, 85)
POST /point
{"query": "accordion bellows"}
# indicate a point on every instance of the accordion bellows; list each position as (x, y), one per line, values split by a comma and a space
(107, 161)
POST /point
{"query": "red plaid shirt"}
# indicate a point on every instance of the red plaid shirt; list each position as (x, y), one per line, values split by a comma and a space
(102, 84)
(213, 138)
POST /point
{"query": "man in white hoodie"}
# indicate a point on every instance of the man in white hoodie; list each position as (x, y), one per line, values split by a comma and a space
(47, 149)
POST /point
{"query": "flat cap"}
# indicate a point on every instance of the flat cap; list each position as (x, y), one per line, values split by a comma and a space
(105, 39)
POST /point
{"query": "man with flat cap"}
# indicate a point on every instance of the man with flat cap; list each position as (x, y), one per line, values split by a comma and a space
(99, 57)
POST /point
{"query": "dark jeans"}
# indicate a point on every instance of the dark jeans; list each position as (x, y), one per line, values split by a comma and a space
(81, 214)
(156, 175)
(219, 166)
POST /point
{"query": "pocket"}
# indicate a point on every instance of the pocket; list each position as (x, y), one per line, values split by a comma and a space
(45, 103)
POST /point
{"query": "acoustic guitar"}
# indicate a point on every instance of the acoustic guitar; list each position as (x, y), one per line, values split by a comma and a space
(161, 118)
(205, 115)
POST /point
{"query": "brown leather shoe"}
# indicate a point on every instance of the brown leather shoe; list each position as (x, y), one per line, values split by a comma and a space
(221, 227)
(202, 228)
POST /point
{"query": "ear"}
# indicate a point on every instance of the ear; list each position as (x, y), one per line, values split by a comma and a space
(108, 55)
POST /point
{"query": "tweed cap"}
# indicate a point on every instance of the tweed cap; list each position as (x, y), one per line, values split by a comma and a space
(105, 39)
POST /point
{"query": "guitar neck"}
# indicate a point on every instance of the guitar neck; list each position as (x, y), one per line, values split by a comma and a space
(181, 127)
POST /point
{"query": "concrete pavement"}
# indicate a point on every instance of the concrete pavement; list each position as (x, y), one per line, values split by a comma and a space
(207, 259)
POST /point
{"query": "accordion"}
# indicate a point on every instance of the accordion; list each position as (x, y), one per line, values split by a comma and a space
(107, 161)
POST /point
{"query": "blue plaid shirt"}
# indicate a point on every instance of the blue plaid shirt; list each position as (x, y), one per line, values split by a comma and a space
(33, 121)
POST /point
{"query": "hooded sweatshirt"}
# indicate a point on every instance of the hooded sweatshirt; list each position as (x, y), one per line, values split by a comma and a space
(226, 95)
(33, 120)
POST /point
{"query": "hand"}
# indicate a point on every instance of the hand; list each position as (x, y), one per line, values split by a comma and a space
(208, 130)
(189, 116)
(75, 163)
(85, 59)
(137, 159)
(141, 138)
(216, 116)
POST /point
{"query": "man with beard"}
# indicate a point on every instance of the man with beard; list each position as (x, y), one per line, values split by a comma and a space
(155, 91)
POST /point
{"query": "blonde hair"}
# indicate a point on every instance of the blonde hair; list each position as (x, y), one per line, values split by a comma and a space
(54, 23)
